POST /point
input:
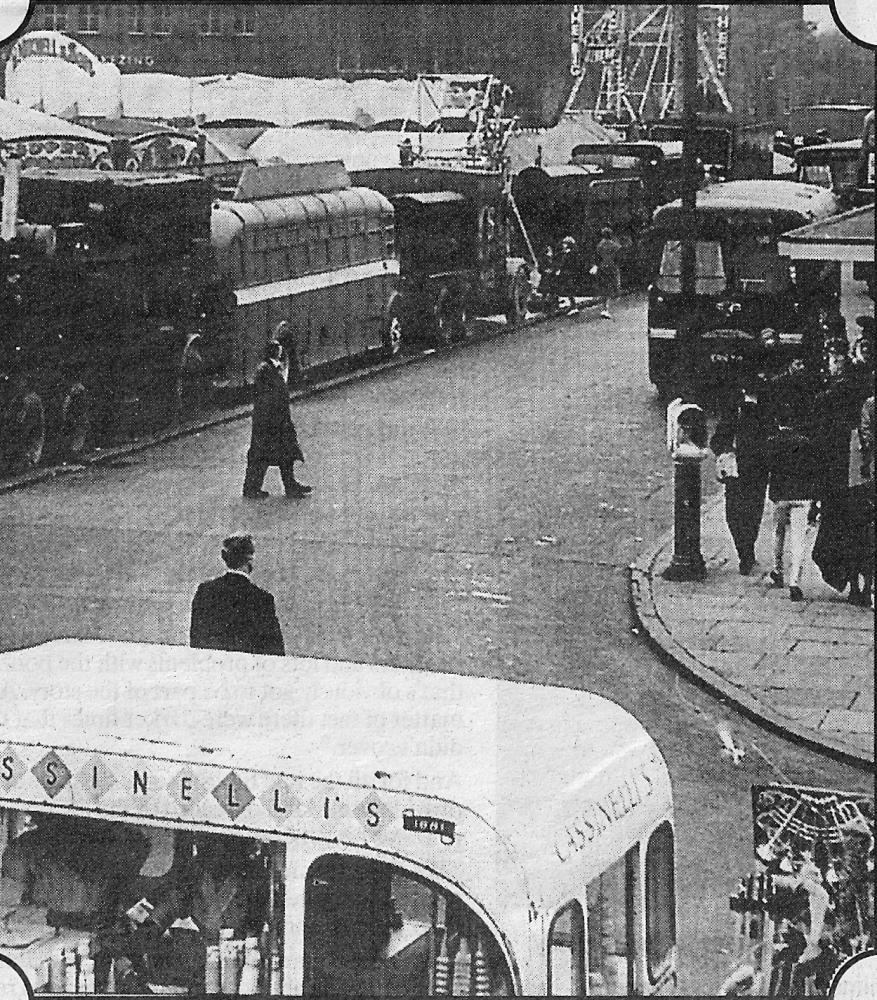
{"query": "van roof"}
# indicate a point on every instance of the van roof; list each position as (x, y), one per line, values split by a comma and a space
(808, 201)
(526, 759)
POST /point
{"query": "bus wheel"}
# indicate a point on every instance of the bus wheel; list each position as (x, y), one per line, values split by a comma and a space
(393, 332)
(191, 383)
(75, 420)
(519, 296)
(28, 433)
(442, 319)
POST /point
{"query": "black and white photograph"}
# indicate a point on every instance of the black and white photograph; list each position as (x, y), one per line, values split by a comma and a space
(437, 499)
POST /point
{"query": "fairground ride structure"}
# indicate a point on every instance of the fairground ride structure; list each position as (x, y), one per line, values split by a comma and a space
(627, 62)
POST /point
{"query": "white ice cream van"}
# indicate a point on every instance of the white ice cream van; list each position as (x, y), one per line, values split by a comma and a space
(186, 821)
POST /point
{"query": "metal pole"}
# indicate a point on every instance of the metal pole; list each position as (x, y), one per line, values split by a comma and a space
(687, 562)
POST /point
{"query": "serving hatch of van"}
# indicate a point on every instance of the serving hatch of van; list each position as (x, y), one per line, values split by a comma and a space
(195, 821)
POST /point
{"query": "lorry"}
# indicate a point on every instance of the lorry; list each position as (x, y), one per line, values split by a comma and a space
(129, 298)
(453, 231)
(100, 288)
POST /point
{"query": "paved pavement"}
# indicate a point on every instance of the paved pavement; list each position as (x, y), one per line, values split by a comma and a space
(805, 669)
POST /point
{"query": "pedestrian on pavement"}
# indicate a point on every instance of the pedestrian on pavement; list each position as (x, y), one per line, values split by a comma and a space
(273, 439)
(793, 486)
(608, 255)
(230, 612)
(841, 549)
(740, 443)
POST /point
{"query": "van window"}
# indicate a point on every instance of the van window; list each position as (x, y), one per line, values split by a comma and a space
(709, 267)
(143, 904)
(660, 901)
(757, 265)
(566, 952)
(610, 929)
(372, 929)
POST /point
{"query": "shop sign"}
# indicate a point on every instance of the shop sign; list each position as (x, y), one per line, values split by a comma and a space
(601, 815)
(205, 793)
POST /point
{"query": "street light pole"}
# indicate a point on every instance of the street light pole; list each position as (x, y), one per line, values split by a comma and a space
(687, 562)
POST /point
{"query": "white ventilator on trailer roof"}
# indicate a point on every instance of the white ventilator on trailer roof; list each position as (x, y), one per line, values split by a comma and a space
(533, 790)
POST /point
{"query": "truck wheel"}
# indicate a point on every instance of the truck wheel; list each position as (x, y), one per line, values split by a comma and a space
(443, 319)
(394, 332)
(461, 321)
(191, 379)
(75, 420)
(28, 433)
(519, 296)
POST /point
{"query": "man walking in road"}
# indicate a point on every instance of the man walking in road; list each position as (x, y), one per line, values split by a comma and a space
(273, 440)
(230, 612)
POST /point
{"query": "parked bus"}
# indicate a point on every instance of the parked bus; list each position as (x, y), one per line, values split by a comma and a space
(190, 821)
(743, 286)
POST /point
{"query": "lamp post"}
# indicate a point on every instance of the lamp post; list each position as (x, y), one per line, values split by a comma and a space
(686, 429)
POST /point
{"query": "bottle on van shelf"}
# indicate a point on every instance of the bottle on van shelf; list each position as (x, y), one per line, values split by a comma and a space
(86, 975)
(462, 970)
(212, 977)
(57, 973)
(276, 974)
(70, 983)
(249, 983)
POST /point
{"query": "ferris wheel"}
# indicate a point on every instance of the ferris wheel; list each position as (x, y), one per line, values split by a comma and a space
(626, 63)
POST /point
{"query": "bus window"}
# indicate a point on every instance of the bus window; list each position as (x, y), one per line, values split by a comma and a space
(566, 952)
(709, 268)
(143, 904)
(610, 929)
(660, 902)
(372, 929)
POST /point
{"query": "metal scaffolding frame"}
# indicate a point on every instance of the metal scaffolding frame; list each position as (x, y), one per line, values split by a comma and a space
(636, 50)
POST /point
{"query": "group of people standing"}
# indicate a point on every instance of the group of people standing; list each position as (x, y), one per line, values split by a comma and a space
(805, 440)
(564, 272)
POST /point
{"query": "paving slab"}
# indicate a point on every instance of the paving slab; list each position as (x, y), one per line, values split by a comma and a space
(805, 669)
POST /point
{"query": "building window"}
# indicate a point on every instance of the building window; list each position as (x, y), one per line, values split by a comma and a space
(244, 21)
(55, 17)
(660, 902)
(138, 19)
(161, 19)
(89, 19)
(211, 20)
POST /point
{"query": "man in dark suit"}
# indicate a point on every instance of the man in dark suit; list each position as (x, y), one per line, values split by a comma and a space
(230, 612)
(273, 438)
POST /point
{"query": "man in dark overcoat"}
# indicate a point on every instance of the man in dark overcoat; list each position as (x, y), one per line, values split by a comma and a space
(230, 612)
(743, 429)
(273, 440)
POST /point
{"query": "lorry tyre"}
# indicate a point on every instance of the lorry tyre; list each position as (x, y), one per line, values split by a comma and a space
(443, 319)
(191, 379)
(27, 433)
(75, 420)
(394, 331)
(461, 320)
(519, 296)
